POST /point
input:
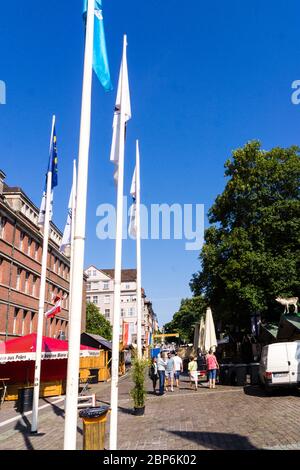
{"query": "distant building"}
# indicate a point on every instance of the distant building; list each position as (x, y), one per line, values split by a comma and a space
(100, 291)
(20, 268)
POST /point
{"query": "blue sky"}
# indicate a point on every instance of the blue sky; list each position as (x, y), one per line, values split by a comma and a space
(205, 77)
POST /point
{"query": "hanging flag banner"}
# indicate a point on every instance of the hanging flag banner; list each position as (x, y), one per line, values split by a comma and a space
(54, 310)
(100, 60)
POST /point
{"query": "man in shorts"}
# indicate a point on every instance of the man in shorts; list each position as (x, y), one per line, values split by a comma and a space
(178, 368)
(170, 369)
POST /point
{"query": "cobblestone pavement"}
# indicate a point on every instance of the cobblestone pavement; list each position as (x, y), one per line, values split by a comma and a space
(225, 418)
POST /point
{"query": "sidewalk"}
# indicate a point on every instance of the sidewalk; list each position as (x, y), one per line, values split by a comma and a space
(224, 418)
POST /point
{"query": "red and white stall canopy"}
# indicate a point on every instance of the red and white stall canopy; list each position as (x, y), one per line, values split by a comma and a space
(24, 348)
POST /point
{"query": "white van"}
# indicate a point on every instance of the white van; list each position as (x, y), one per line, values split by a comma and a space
(280, 365)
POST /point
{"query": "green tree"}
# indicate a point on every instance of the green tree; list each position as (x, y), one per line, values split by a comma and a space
(252, 249)
(96, 323)
(184, 320)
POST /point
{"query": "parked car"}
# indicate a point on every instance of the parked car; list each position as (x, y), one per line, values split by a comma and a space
(280, 365)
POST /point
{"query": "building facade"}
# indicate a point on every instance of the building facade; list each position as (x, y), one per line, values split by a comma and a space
(21, 244)
(100, 291)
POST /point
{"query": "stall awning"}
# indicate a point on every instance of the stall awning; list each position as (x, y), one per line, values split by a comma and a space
(289, 328)
(24, 348)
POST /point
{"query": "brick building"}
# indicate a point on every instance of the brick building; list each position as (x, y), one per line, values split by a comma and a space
(20, 268)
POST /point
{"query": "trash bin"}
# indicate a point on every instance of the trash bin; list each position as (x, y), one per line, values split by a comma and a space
(254, 373)
(94, 376)
(25, 399)
(241, 374)
(224, 378)
(94, 421)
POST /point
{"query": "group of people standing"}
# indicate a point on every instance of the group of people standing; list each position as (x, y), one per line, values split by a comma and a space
(165, 369)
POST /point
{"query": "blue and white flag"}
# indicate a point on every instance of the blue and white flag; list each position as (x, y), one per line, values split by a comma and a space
(52, 166)
(100, 60)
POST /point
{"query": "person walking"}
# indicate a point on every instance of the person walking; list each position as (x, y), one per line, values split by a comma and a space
(153, 373)
(192, 368)
(161, 369)
(212, 367)
(178, 368)
(170, 369)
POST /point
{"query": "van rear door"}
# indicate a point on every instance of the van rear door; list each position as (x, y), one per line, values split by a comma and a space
(293, 351)
(278, 363)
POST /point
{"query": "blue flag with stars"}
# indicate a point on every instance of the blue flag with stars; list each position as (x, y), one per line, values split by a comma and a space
(100, 60)
(53, 160)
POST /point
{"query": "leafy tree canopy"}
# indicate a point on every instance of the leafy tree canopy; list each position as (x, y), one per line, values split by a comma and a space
(252, 249)
(96, 323)
(184, 320)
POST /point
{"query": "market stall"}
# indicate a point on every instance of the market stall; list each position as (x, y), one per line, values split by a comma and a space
(17, 362)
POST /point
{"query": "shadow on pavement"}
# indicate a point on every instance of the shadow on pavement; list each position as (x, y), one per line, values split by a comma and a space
(260, 392)
(25, 430)
(61, 413)
(216, 440)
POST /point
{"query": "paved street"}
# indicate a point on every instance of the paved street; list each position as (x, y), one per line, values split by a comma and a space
(225, 418)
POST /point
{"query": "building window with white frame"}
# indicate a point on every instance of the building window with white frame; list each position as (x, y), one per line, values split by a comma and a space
(27, 276)
(95, 299)
(127, 286)
(34, 285)
(105, 285)
(107, 299)
(2, 226)
(94, 273)
(122, 312)
(16, 311)
(107, 313)
(36, 251)
(131, 312)
(29, 244)
(22, 237)
(18, 281)
(88, 299)
(88, 286)
(31, 322)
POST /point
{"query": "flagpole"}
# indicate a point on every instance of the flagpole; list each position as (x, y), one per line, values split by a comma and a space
(38, 357)
(70, 433)
(73, 208)
(118, 267)
(138, 255)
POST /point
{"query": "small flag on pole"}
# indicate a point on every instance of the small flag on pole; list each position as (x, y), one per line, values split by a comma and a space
(100, 60)
(132, 215)
(54, 310)
(67, 236)
(122, 101)
(52, 166)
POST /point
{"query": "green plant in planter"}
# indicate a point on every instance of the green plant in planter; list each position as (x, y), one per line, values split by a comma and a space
(138, 392)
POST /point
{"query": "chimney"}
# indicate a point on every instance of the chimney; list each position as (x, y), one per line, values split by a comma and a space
(2, 178)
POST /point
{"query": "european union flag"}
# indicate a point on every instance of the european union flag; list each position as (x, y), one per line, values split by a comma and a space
(100, 60)
(53, 160)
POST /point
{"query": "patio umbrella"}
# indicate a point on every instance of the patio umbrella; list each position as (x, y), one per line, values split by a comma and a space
(210, 340)
(201, 334)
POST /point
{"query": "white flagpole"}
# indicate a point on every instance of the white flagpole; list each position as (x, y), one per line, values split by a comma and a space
(38, 358)
(138, 255)
(79, 239)
(73, 206)
(118, 266)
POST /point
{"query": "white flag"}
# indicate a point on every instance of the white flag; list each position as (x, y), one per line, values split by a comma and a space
(132, 215)
(41, 219)
(66, 240)
(122, 105)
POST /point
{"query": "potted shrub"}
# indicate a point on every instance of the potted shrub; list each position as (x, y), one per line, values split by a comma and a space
(138, 392)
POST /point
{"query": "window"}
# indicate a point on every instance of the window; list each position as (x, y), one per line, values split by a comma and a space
(95, 299)
(88, 299)
(29, 246)
(107, 299)
(105, 285)
(31, 322)
(15, 321)
(2, 226)
(95, 285)
(131, 312)
(94, 273)
(34, 286)
(88, 286)
(36, 251)
(24, 320)
(122, 312)
(22, 236)
(27, 275)
(127, 286)
(107, 313)
(18, 283)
